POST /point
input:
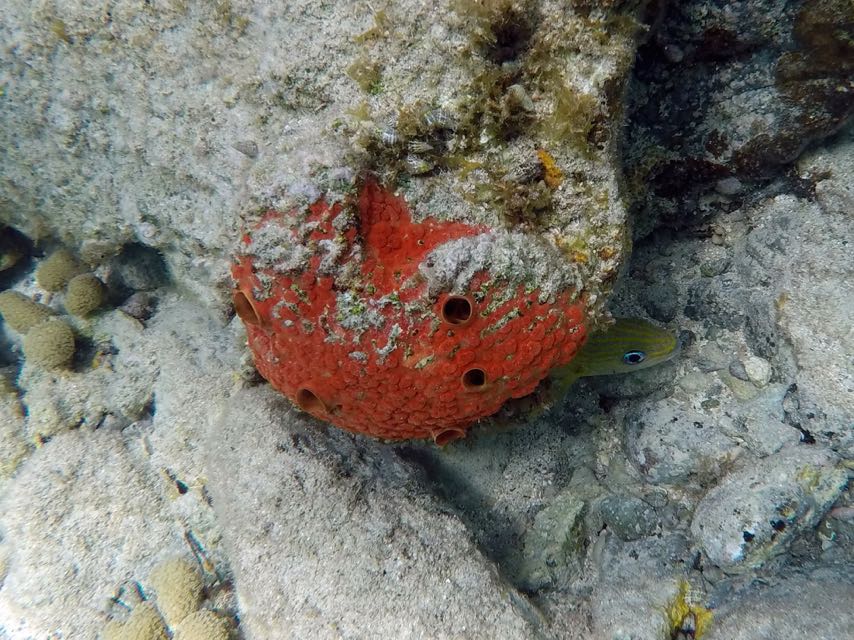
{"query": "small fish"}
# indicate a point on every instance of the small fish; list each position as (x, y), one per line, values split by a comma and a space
(628, 345)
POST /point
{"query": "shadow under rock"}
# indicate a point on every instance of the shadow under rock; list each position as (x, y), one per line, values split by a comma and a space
(498, 478)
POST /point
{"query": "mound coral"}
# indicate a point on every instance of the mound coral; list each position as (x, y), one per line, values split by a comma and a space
(50, 345)
(84, 294)
(179, 590)
(11, 250)
(57, 269)
(179, 587)
(203, 625)
(21, 312)
(401, 329)
(144, 623)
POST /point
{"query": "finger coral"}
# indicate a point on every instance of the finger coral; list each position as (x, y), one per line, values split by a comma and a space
(401, 329)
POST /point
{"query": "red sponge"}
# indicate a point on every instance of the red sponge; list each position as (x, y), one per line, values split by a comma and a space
(340, 320)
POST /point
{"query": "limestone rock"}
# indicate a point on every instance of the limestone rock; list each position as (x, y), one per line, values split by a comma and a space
(341, 542)
(756, 512)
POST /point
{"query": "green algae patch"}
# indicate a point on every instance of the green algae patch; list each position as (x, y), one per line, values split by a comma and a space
(367, 74)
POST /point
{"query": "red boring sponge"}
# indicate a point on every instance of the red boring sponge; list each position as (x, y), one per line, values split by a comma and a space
(342, 319)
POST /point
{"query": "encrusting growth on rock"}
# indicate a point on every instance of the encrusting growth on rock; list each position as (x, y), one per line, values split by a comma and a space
(687, 619)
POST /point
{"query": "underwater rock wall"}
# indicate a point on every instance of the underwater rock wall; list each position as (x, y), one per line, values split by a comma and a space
(727, 95)
(163, 124)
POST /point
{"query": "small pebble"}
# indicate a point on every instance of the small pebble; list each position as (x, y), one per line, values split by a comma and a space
(728, 186)
(141, 305)
(146, 231)
(714, 333)
(657, 498)
(758, 370)
(741, 389)
(686, 339)
(137, 268)
(112, 422)
(711, 357)
(247, 147)
(517, 99)
(736, 369)
(655, 269)
(629, 518)
(695, 381)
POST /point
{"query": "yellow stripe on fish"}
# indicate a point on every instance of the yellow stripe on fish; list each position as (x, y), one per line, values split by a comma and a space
(628, 345)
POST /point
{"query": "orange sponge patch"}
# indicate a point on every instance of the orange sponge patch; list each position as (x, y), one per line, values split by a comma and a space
(340, 320)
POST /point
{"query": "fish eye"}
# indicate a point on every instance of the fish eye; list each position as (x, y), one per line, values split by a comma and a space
(634, 357)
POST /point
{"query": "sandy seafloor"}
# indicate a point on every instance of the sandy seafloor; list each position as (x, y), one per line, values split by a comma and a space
(707, 497)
